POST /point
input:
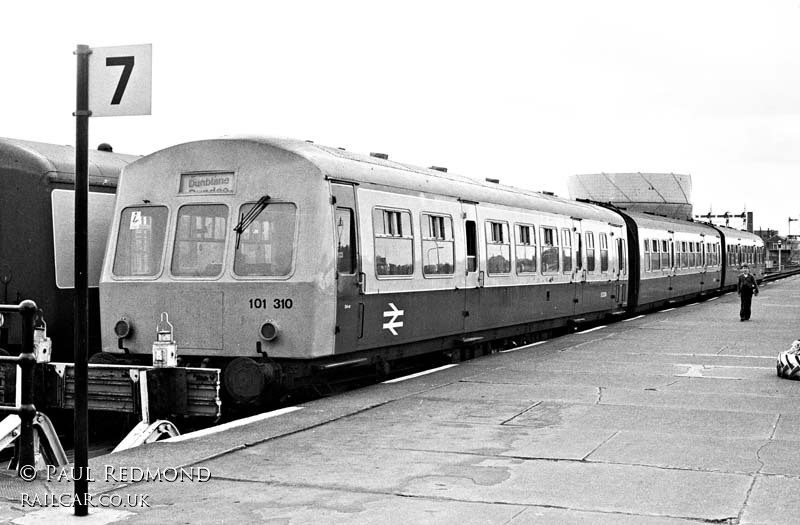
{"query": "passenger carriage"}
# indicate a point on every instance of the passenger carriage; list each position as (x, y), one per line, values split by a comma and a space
(677, 259)
(741, 247)
(282, 259)
(37, 231)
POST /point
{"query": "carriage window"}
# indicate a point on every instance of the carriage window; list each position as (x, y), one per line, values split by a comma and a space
(266, 246)
(437, 245)
(566, 249)
(498, 248)
(526, 249)
(684, 255)
(394, 249)
(140, 244)
(200, 240)
(603, 252)
(590, 251)
(550, 257)
(646, 255)
(665, 255)
(655, 258)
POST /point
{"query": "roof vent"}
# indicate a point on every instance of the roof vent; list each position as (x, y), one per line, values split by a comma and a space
(495, 181)
(384, 156)
(105, 146)
(439, 168)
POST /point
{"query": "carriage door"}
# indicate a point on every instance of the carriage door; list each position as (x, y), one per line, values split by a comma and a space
(349, 304)
(579, 269)
(619, 297)
(473, 273)
(624, 272)
(704, 262)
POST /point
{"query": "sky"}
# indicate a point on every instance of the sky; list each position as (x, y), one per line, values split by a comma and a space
(528, 92)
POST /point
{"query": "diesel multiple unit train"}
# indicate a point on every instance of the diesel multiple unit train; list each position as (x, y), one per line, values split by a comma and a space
(37, 195)
(281, 261)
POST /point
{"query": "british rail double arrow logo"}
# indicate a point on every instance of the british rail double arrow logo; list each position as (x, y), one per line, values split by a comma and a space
(394, 313)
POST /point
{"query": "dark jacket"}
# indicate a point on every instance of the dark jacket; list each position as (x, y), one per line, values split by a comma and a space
(747, 284)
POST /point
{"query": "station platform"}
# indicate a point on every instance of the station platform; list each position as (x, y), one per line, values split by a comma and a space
(673, 417)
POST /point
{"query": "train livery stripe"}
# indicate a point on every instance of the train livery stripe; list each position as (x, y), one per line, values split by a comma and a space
(232, 424)
(418, 374)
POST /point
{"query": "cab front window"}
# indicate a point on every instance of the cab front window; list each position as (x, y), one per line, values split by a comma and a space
(200, 240)
(140, 243)
(266, 245)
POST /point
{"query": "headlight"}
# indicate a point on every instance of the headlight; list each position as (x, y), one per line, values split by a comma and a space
(123, 328)
(269, 331)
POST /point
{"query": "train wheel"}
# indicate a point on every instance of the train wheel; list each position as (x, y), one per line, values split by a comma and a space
(246, 380)
(788, 365)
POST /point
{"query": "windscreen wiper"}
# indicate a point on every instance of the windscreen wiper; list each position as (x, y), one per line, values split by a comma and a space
(247, 220)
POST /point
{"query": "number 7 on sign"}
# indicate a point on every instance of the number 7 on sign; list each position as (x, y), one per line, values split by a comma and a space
(116, 87)
(127, 63)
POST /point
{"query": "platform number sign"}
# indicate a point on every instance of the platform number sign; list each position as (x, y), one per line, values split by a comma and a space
(120, 80)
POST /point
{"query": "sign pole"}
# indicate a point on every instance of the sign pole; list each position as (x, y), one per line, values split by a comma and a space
(81, 302)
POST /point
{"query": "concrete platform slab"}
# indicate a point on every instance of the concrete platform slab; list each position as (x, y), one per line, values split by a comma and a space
(773, 500)
(679, 451)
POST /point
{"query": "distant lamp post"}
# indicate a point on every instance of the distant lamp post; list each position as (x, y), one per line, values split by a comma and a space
(780, 245)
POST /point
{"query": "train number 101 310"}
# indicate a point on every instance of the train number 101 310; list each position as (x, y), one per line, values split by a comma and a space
(277, 304)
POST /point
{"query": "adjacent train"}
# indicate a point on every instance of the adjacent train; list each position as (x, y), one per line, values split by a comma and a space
(37, 195)
(283, 261)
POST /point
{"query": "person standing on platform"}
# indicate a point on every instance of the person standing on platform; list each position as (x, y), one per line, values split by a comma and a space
(747, 287)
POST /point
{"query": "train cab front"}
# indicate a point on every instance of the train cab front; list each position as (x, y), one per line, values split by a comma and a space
(208, 265)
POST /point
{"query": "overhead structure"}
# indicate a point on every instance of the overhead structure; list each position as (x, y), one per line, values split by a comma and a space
(667, 194)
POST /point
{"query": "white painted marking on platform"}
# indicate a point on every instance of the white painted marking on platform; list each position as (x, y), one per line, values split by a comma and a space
(418, 374)
(713, 299)
(633, 318)
(694, 371)
(668, 310)
(697, 370)
(691, 304)
(772, 357)
(537, 343)
(232, 424)
(591, 329)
